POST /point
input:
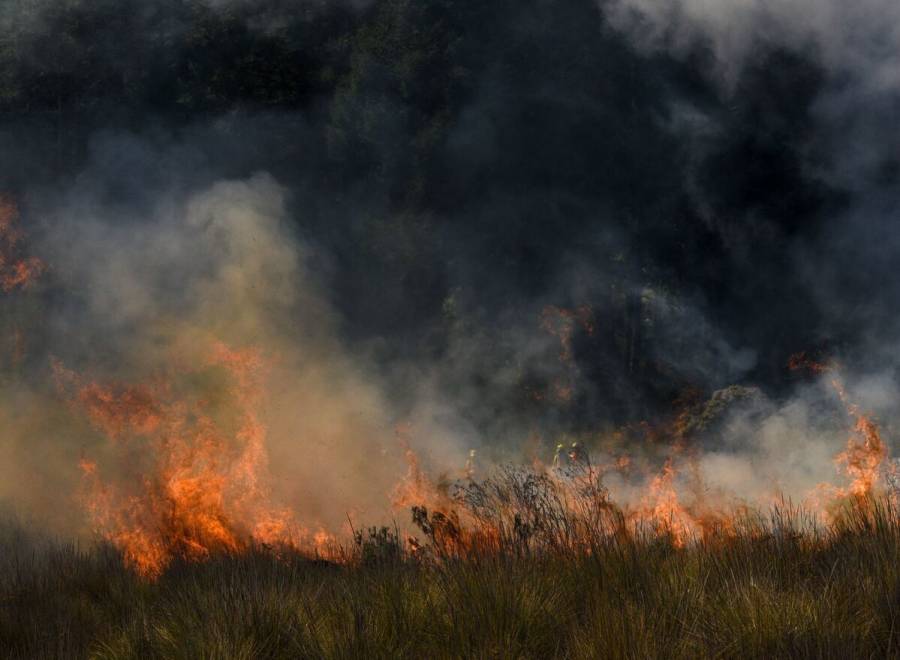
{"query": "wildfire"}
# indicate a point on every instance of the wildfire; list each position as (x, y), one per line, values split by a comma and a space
(416, 488)
(803, 362)
(865, 454)
(185, 480)
(185, 473)
(195, 479)
(864, 459)
(16, 272)
(662, 508)
(699, 516)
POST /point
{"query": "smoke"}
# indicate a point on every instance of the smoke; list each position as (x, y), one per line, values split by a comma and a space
(860, 38)
(820, 80)
(387, 203)
(856, 44)
(155, 288)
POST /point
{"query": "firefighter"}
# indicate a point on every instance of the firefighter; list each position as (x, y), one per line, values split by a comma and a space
(470, 465)
(577, 454)
(558, 456)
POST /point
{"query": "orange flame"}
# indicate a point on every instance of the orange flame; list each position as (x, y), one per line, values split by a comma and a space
(865, 452)
(662, 508)
(194, 484)
(196, 478)
(15, 271)
(803, 362)
(666, 512)
(416, 488)
(864, 458)
(680, 507)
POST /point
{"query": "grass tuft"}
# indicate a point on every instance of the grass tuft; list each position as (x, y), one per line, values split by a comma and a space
(527, 575)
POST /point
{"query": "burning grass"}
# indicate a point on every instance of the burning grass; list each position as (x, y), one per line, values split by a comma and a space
(194, 484)
(778, 584)
(196, 558)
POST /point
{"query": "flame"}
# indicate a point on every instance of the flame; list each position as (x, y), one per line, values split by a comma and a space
(865, 454)
(864, 459)
(416, 488)
(623, 463)
(663, 510)
(187, 476)
(698, 517)
(193, 484)
(16, 272)
(803, 362)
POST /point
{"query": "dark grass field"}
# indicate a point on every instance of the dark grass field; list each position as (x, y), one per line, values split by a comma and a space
(777, 586)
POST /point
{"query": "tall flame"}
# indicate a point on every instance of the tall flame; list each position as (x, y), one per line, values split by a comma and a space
(864, 459)
(865, 453)
(662, 508)
(195, 483)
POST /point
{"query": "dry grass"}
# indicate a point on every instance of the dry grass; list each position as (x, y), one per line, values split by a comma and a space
(542, 584)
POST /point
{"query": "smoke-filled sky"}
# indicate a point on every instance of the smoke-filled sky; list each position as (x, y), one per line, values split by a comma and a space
(490, 223)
